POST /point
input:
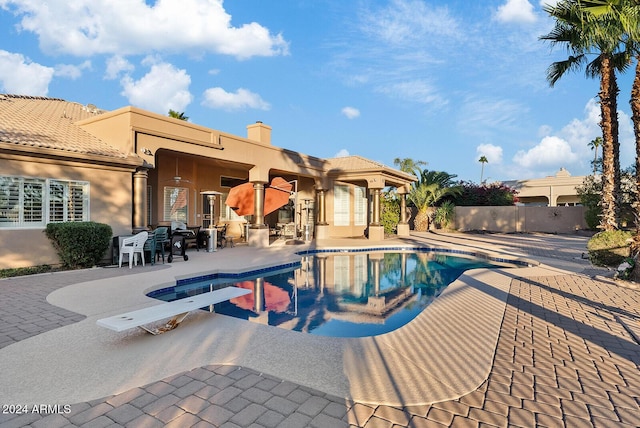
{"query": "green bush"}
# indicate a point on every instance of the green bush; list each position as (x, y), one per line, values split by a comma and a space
(30, 270)
(484, 195)
(609, 248)
(390, 213)
(79, 244)
(445, 214)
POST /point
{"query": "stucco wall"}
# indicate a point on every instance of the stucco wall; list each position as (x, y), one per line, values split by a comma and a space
(110, 203)
(521, 219)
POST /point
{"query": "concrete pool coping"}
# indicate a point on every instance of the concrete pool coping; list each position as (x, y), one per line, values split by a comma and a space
(444, 353)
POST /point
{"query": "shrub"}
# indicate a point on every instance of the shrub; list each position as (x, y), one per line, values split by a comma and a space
(31, 270)
(444, 214)
(590, 194)
(475, 195)
(79, 244)
(609, 248)
(390, 213)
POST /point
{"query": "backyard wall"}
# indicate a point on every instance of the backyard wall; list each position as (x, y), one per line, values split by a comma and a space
(521, 219)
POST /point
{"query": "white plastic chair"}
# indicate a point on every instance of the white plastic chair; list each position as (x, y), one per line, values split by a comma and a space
(133, 246)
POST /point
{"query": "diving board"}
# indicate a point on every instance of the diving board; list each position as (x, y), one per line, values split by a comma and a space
(178, 309)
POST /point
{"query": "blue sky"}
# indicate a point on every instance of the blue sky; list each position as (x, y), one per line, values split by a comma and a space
(444, 82)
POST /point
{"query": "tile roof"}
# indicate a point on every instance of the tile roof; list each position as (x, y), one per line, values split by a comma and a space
(49, 123)
(350, 163)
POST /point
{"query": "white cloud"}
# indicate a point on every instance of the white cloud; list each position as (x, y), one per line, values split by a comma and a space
(18, 75)
(516, 11)
(491, 152)
(125, 27)
(72, 71)
(408, 20)
(116, 65)
(569, 146)
(419, 91)
(549, 2)
(164, 87)
(488, 116)
(218, 98)
(551, 152)
(343, 153)
(351, 112)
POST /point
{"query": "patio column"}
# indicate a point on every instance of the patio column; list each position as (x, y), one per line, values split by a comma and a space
(322, 208)
(258, 204)
(140, 199)
(403, 225)
(375, 229)
(322, 227)
(375, 220)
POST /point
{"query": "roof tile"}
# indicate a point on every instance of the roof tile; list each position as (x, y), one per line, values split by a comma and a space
(49, 123)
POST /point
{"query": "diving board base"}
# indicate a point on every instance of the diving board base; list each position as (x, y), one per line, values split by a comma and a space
(170, 325)
(178, 309)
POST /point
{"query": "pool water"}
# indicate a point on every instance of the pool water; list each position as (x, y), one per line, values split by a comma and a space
(337, 294)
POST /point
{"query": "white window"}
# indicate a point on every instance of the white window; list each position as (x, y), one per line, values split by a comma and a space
(176, 204)
(226, 213)
(341, 212)
(360, 206)
(34, 202)
(341, 273)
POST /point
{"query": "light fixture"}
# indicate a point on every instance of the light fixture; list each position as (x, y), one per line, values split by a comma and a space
(176, 178)
(146, 151)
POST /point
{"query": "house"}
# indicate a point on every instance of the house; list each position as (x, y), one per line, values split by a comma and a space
(556, 190)
(134, 170)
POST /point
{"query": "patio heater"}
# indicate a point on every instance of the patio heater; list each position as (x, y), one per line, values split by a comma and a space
(307, 228)
(295, 240)
(211, 231)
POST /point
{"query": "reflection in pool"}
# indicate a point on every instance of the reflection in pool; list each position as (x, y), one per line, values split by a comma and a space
(349, 294)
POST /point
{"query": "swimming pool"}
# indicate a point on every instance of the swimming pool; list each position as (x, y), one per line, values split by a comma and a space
(339, 294)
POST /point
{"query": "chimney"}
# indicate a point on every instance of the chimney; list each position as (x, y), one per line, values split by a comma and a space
(259, 132)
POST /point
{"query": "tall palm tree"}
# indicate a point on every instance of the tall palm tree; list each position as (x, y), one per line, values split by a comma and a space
(409, 165)
(583, 33)
(593, 145)
(483, 159)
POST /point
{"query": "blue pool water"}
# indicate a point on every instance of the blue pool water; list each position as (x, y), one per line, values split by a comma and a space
(340, 294)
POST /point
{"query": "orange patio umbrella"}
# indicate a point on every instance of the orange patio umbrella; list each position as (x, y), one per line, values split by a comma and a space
(276, 195)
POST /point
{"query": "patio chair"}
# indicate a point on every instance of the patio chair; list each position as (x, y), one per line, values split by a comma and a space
(150, 246)
(222, 236)
(162, 241)
(133, 246)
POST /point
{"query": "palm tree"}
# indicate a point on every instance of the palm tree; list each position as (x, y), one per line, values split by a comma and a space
(583, 33)
(409, 165)
(178, 115)
(483, 159)
(431, 188)
(593, 145)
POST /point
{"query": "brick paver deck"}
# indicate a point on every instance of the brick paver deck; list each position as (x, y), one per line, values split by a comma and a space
(566, 357)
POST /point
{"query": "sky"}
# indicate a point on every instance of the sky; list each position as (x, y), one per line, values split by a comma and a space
(443, 82)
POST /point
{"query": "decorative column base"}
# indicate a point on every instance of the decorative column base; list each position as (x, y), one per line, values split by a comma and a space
(376, 233)
(259, 237)
(322, 231)
(403, 229)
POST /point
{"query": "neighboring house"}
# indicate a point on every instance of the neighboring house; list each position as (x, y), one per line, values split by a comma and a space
(133, 169)
(552, 191)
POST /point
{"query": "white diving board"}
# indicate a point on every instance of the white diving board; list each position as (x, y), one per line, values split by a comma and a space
(178, 309)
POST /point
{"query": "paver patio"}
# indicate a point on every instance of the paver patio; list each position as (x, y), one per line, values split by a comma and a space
(565, 356)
